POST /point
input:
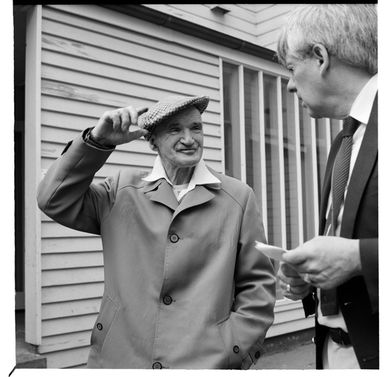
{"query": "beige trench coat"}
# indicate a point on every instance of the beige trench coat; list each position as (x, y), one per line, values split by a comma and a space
(184, 286)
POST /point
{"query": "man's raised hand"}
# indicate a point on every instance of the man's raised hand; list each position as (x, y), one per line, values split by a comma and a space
(119, 126)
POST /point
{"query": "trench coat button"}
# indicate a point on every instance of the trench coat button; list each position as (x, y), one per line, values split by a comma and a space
(157, 365)
(235, 349)
(99, 326)
(174, 238)
(167, 300)
(257, 355)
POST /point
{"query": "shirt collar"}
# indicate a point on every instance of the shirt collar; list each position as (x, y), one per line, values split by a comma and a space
(201, 175)
(362, 105)
(157, 172)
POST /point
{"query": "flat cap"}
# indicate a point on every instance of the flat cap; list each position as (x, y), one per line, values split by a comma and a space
(168, 107)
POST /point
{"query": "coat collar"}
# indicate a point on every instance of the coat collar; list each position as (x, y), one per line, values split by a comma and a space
(161, 191)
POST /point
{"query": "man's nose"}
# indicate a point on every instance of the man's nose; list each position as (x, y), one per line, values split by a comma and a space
(291, 87)
(187, 137)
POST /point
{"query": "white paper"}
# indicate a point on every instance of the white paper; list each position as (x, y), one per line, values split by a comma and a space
(270, 251)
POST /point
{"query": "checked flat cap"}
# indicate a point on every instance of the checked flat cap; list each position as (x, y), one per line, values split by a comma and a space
(168, 107)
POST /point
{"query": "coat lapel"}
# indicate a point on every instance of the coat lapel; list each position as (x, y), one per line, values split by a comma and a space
(161, 192)
(194, 198)
(366, 159)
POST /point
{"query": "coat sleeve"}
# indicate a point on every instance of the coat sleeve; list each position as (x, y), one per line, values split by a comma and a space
(66, 193)
(253, 309)
(369, 262)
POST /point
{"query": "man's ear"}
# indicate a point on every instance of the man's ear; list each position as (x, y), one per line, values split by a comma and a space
(152, 143)
(321, 54)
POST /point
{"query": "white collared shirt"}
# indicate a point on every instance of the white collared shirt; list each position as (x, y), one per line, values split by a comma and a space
(361, 110)
(201, 176)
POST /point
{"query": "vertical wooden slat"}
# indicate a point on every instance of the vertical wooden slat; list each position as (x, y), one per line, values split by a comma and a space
(313, 141)
(221, 116)
(298, 169)
(281, 163)
(328, 134)
(262, 149)
(242, 141)
(32, 222)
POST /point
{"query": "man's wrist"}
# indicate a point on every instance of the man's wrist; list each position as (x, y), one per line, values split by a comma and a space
(90, 139)
(99, 140)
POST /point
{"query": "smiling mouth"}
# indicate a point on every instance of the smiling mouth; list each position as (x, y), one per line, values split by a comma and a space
(188, 151)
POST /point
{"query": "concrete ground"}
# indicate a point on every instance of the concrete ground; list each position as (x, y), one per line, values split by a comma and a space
(300, 356)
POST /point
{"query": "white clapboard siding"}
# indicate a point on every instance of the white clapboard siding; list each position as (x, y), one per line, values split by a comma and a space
(72, 292)
(66, 341)
(71, 276)
(70, 308)
(90, 66)
(71, 260)
(238, 22)
(123, 48)
(70, 245)
(255, 23)
(67, 358)
(68, 324)
(75, 16)
(55, 230)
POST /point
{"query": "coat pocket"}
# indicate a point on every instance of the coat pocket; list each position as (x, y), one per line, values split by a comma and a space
(231, 347)
(107, 314)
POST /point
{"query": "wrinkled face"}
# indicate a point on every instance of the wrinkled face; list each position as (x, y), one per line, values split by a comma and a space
(179, 140)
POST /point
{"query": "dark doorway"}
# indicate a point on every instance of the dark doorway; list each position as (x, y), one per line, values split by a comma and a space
(19, 14)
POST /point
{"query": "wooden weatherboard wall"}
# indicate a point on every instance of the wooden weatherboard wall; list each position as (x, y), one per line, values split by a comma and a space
(255, 23)
(93, 60)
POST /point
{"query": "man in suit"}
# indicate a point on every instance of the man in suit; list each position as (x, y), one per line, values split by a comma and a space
(331, 53)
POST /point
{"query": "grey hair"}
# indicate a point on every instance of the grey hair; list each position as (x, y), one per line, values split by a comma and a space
(348, 32)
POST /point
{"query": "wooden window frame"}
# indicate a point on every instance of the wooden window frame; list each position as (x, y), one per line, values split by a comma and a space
(32, 220)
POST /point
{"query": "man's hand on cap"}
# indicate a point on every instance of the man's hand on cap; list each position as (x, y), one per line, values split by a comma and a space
(119, 126)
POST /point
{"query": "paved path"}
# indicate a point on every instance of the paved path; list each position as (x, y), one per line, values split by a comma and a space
(300, 357)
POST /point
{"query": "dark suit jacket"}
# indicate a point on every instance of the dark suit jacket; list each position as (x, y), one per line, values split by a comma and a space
(358, 297)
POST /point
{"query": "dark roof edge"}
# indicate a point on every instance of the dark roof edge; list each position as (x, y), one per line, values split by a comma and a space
(186, 27)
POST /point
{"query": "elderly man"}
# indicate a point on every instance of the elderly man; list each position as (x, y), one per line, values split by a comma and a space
(184, 285)
(331, 53)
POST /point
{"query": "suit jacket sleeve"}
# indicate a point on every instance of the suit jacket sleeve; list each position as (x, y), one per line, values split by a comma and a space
(66, 193)
(369, 263)
(253, 310)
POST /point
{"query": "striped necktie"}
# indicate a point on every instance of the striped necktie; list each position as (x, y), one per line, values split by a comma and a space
(340, 175)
